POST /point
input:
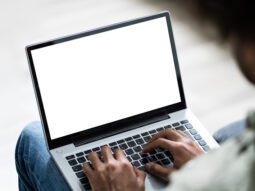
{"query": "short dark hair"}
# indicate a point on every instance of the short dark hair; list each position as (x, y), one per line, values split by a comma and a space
(233, 17)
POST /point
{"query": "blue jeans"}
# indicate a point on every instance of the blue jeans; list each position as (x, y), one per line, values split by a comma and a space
(37, 170)
(35, 167)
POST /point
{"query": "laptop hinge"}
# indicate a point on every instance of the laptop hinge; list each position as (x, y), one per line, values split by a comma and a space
(123, 129)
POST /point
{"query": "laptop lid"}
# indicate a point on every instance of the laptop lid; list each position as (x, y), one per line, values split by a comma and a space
(97, 83)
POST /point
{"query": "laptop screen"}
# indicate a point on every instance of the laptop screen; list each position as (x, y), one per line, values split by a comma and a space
(101, 78)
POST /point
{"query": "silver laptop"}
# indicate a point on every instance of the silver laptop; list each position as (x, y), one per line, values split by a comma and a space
(117, 85)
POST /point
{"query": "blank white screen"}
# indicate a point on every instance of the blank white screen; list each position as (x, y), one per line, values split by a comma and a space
(105, 77)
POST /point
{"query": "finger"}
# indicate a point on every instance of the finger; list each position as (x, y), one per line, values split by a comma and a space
(158, 170)
(107, 154)
(96, 162)
(161, 134)
(119, 155)
(184, 137)
(140, 174)
(167, 133)
(87, 169)
(181, 133)
(162, 143)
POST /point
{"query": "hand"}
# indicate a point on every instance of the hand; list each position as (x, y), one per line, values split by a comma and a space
(181, 147)
(114, 174)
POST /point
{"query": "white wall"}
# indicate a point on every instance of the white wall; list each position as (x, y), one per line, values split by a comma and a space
(215, 90)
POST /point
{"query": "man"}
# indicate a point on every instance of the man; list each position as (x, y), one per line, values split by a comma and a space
(231, 167)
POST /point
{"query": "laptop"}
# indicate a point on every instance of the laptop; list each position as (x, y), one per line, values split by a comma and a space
(116, 85)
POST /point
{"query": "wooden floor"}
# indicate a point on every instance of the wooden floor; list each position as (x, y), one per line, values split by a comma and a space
(215, 90)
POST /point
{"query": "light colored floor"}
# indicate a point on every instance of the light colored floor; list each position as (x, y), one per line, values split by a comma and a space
(215, 90)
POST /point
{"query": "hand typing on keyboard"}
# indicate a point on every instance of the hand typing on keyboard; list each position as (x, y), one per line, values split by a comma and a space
(181, 147)
(113, 172)
(119, 167)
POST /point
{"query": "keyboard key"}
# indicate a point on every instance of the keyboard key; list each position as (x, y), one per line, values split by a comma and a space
(144, 161)
(81, 159)
(87, 152)
(188, 126)
(202, 142)
(136, 136)
(120, 141)
(72, 162)
(143, 145)
(181, 128)
(77, 168)
(197, 137)
(136, 163)
(87, 187)
(131, 144)
(165, 161)
(135, 156)
(138, 149)
(152, 131)
(168, 126)
(175, 124)
(96, 149)
(128, 139)
(84, 180)
(87, 157)
(193, 131)
(129, 151)
(112, 144)
(152, 152)
(79, 154)
(160, 129)
(168, 154)
(145, 134)
(206, 148)
(123, 146)
(184, 121)
(80, 174)
(152, 158)
(139, 141)
(144, 155)
(129, 159)
(147, 139)
(160, 155)
(70, 157)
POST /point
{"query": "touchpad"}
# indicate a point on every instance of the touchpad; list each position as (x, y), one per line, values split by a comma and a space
(153, 183)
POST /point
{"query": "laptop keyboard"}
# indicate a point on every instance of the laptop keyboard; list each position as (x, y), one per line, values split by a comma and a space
(132, 147)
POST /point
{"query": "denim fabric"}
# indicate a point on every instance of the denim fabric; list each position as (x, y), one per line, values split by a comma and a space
(35, 167)
(230, 131)
(37, 170)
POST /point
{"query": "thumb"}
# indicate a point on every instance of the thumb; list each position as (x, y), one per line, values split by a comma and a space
(140, 177)
(158, 170)
(140, 174)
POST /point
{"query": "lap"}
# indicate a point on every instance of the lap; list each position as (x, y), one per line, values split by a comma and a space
(37, 170)
(35, 166)
(230, 131)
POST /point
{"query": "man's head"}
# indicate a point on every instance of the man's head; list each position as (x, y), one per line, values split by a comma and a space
(236, 22)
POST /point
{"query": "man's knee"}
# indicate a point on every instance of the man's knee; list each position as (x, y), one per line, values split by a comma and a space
(31, 135)
(231, 131)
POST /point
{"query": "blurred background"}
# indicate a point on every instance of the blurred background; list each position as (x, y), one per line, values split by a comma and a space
(215, 89)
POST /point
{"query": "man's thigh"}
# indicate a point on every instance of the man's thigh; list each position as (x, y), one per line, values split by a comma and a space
(35, 166)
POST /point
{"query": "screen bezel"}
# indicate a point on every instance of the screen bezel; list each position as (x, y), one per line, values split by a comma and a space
(122, 124)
